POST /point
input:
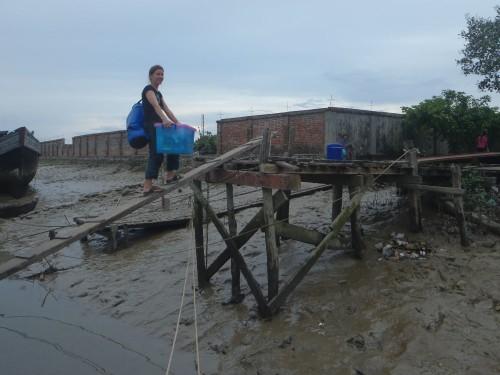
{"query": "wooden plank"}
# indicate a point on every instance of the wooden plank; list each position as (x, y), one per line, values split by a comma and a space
(298, 233)
(286, 166)
(70, 235)
(258, 179)
(198, 239)
(297, 277)
(271, 245)
(435, 189)
(236, 295)
(457, 157)
(246, 233)
(456, 180)
(235, 254)
(414, 196)
(337, 191)
(356, 237)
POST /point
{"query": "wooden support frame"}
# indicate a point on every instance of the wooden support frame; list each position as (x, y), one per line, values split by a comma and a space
(337, 191)
(198, 238)
(435, 189)
(335, 228)
(235, 254)
(246, 233)
(356, 233)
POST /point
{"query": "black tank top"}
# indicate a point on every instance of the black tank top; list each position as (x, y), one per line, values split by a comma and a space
(150, 115)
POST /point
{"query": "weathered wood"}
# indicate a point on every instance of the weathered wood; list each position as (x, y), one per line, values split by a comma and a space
(335, 228)
(298, 233)
(483, 221)
(286, 166)
(356, 236)
(477, 155)
(271, 246)
(283, 214)
(70, 235)
(414, 196)
(246, 233)
(233, 230)
(435, 189)
(198, 239)
(265, 148)
(235, 254)
(258, 179)
(268, 168)
(456, 180)
(114, 239)
(337, 191)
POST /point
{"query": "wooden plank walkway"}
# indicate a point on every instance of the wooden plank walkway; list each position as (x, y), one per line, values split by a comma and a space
(72, 234)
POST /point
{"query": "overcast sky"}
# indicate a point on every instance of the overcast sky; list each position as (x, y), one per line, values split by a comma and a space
(71, 67)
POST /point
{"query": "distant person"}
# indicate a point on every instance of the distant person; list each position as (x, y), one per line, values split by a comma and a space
(156, 111)
(482, 142)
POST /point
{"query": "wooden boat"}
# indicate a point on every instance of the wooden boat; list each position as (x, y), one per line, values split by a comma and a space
(19, 153)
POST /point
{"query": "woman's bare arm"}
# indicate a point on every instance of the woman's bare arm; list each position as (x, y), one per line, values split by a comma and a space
(169, 113)
(151, 97)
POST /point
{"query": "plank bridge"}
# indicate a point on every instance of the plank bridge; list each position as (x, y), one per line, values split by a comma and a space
(278, 177)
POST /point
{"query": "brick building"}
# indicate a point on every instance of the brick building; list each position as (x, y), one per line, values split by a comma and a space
(372, 134)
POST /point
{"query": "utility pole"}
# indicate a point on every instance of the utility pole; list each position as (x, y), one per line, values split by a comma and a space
(331, 100)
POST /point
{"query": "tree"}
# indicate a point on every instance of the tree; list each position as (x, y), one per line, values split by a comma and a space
(206, 144)
(481, 54)
(454, 117)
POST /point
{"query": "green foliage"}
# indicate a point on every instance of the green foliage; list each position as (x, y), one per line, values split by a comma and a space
(206, 144)
(478, 195)
(481, 54)
(453, 116)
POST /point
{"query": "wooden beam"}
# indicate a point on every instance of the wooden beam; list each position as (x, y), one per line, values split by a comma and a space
(414, 196)
(235, 254)
(236, 295)
(337, 191)
(199, 242)
(271, 245)
(435, 189)
(298, 233)
(356, 237)
(335, 228)
(268, 180)
(456, 180)
(246, 233)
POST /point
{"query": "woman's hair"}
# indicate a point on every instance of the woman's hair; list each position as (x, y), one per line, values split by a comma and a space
(154, 68)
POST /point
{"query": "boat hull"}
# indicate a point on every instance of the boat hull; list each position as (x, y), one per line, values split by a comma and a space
(19, 153)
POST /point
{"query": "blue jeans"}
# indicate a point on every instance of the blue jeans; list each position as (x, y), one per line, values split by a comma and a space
(155, 160)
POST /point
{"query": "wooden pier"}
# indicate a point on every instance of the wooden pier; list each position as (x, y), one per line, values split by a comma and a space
(279, 178)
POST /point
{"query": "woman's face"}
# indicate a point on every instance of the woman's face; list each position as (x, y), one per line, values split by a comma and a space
(157, 77)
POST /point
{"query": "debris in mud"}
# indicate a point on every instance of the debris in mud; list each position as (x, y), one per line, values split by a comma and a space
(357, 342)
(219, 348)
(285, 343)
(399, 248)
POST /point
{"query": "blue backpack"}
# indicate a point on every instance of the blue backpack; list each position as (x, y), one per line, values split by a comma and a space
(136, 134)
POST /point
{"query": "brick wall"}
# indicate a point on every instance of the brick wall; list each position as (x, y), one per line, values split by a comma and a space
(112, 145)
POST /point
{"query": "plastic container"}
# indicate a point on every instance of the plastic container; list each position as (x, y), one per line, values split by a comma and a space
(335, 151)
(177, 139)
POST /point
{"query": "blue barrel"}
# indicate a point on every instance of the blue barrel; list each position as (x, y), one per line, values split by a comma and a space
(335, 151)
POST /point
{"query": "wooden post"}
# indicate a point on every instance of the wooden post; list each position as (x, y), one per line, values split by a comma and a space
(113, 233)
(456, 181)
(126, 234)
(198, 238)
(356, 237)
(235, 254)
(271, 246)
(236, 295)
(265, 147)
(414, 196)
(283, 214)
(337, 190)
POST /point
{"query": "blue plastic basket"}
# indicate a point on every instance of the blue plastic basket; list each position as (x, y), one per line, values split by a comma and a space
(177, 139)
(335, 151)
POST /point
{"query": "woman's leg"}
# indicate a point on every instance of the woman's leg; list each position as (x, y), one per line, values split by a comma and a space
(172, 166)
(154, 160)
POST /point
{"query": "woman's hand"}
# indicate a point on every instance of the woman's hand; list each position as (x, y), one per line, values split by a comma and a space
(167, 123)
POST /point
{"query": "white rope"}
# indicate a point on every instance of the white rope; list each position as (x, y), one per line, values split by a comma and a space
(179, 316)
(195, 313)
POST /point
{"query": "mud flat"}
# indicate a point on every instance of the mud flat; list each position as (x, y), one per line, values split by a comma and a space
(116, 312)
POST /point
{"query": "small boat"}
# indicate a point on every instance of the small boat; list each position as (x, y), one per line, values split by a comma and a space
(19, 153)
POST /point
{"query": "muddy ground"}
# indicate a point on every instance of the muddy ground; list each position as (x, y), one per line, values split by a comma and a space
(116, 312)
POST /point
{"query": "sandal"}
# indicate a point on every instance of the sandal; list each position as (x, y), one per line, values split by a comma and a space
(173, 179)
(154, 189)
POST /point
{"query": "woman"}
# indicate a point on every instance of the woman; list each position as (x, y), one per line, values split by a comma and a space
(156, 111)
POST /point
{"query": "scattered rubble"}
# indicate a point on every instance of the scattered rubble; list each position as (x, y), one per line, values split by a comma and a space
(399, 248)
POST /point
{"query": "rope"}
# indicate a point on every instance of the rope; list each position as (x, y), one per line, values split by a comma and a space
(179, 316)
(195, 313)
